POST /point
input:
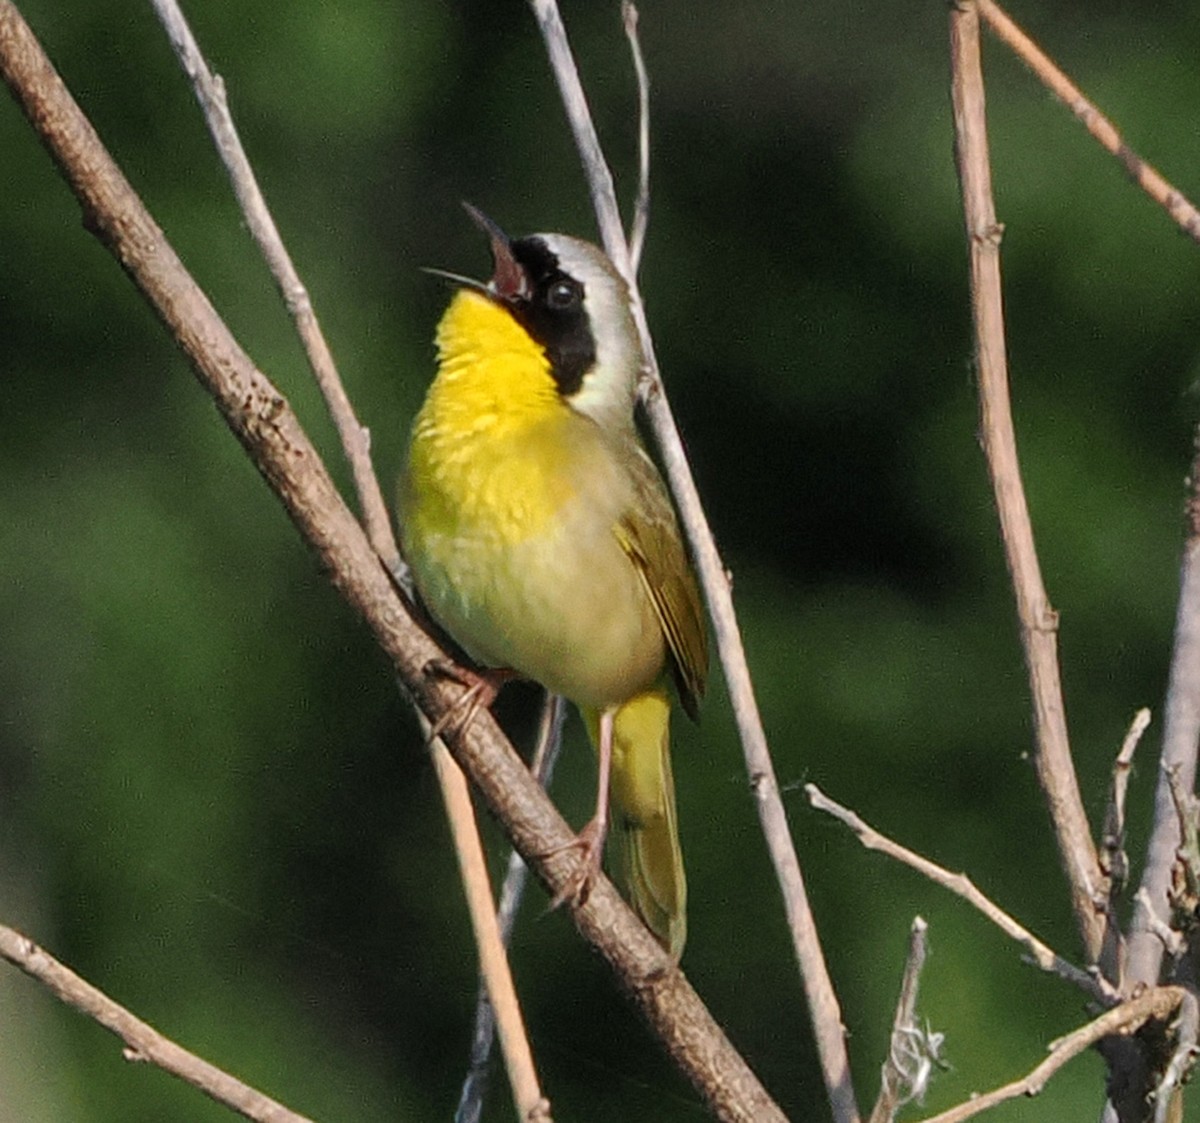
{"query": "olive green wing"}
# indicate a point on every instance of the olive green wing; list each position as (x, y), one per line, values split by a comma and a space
(649, 534)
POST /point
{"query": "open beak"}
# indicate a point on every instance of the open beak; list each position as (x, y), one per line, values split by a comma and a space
(509, 281)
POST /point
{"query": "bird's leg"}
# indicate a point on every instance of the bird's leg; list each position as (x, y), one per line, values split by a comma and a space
(481, 689)
(591, 839)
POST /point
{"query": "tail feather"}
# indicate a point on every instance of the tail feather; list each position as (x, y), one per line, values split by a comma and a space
(643, 797)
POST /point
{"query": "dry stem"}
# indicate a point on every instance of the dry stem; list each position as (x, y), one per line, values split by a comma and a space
(1167, 196)
(824, 1009)
(1125, 1019)
(142, 1042)
(264, 423)
(1038, 620)
(961, 885)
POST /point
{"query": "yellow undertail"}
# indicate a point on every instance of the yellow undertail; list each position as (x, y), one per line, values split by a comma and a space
(643, 815)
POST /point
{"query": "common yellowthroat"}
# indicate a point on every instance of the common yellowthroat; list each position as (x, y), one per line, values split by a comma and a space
(541, 536)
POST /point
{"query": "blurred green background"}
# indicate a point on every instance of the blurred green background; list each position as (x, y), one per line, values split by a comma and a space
(213, 803)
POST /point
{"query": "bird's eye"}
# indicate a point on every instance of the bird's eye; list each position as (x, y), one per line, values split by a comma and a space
(562, 295)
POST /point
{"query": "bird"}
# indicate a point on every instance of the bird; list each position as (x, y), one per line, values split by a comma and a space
(542, 539)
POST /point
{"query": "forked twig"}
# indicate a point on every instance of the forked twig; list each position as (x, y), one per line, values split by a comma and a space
(824, 1008)
(1158, 1004)
(1113, 859)
(142, 1042)
(1038, 620)
(962, 886)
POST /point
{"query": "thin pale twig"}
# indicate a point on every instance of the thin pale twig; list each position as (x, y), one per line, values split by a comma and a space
(1040, 954)
(493, 961)
(824, 1008)
(1038, 620)
(1182, 212)
(1157, 1004)
(142, 1042)
(641, 206)
(516, 877)
(355, 438)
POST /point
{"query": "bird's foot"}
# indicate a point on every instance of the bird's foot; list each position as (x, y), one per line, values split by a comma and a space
(481, 690)
(578, 885)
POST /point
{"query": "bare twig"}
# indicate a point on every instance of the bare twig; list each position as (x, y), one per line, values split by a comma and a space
(1038, 620)
(824, 1009)
(1113, 859)
(142, 1042)
(265, 424)
(545, 756)
(641, 206)
(355, 438)
(1167, 196)
(899, 1084)
(1187, 1025)
(1156, 1004)
(502, 994)
(1039, 953)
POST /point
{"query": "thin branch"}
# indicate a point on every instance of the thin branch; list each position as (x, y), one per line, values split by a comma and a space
(142, 1042)
(1039, 953)
(262, 420)
(824, 1009)
(641, 206)
(1156, 1004)
(355, 438)
(531, 1105)
(898, 1085)
(516, 877)
(1113, 859)
(1038, 620)
(1168, 197)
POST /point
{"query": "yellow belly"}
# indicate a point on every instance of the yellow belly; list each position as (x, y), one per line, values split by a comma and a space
(509, 533)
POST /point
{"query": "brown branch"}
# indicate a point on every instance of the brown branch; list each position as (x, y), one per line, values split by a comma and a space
(1157, 1004)
(1149, 180)
(142, 1042)
(962, 886)
(1038, 620)
(824, 1009)
(1113, 859)
(641, 205)
(264, 423)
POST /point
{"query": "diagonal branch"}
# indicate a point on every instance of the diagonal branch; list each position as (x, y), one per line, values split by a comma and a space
(1037, 618)
(262, 420)
(824, 1009)
(142, 1042)
(1123, 1020)
(1163, 193)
